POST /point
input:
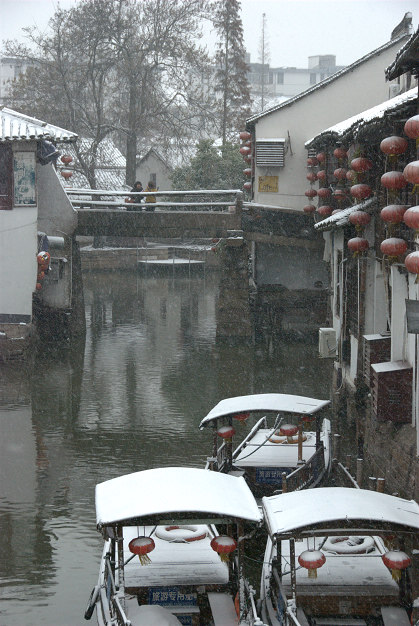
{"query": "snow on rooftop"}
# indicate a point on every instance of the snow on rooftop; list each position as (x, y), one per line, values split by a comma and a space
(15, 126)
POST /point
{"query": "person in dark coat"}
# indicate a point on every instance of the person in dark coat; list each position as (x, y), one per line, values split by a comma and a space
(137, 199)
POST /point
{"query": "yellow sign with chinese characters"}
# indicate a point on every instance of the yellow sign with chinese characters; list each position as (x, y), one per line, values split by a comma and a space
(268, 184)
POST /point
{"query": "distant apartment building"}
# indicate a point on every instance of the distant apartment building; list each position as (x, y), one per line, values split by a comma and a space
(10, 69)
(273, 83)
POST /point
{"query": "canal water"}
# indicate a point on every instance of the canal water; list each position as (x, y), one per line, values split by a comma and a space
(129, 397)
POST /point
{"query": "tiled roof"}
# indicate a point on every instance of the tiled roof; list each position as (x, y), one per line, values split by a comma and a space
(341, 218)
(407, 58)
(15, 126)
(326, 81)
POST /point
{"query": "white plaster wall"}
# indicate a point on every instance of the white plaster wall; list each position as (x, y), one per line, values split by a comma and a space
(152, 165)
(399, 293)
(353, 92)
(18, 248)
(56, 216)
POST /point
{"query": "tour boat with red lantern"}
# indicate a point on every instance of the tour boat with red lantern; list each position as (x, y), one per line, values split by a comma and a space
(338, 556)
(174, 549)
(286, 448)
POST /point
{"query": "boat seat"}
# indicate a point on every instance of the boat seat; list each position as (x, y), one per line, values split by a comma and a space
(222, 608)
(394, 616)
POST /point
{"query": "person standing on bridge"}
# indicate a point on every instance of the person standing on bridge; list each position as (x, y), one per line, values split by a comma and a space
(136, 199)
(150, 199)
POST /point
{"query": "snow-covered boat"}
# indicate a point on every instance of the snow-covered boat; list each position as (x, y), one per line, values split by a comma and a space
(332, 557)
(174, 549)
(279, 451)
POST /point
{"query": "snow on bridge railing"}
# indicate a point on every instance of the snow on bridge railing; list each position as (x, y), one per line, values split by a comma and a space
(117, 200)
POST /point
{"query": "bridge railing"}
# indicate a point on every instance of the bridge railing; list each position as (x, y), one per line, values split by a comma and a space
(224, 200)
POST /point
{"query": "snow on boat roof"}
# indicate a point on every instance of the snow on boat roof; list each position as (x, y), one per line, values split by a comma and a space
(364, 117)
(312, 508)
(265, 402)
(174, 489)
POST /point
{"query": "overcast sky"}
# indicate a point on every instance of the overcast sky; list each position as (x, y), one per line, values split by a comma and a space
(295, 29)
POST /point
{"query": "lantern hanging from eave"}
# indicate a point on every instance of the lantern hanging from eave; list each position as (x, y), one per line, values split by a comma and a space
(66, 159)
(394, 146)
(241, 417)
(411, 218)
(351, 175)
(411, 174)
(142, 546)
(359, 219)
(309, 208)
(223, 546)
(393, 247)
(393, 181)
(226, 433)
(340, 173)
(396, 561)
(361, 164)
(321, 157)
(247, 186)
(325, 210)
(288, 430)
(244, 150)
(312, 162)
(340, 153)
(321, 175)
(411, 128)
(38, 286)
(357, 245)
(324, 192)
(312, 560)
(66, 174)
(247, 171)
(43, 258)
(361, 191)
(245, 136)
(312, 177)
(339, 194)
(412, 264)
(247, 159)
(310, 193)
(393, 213)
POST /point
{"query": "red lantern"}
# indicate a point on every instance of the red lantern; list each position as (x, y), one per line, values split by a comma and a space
(393, 247)
(324, 192)
(244, 150)
(66, 159)
(361, 191)
(340, 173)
(351, 175)
(321, 157)
(43, 259)
(312, 560)
(245, 136)
(310, 193)
(309, 208)
(393, 180)
(247, 159)
(66, 174)
(312, 177)
(393, 213)
(411, 128)
(223, 546)
(412, 264)
(247, 186)
(324, 210)
(411, 217)
(38, 286)
(312, 162)
(358, 245)
(393, 146)
(247, 171)
(411, 172)
(339, 194)
(340, 153)
(321, 175)
(40, 275)
(241, 417)
(288, 430)
(361, 164)
(396, 560)
(359, 219)
(226, 433)
(142, 546)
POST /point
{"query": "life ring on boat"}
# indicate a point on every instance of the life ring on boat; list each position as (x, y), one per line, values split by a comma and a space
(277, 438)
(349, 545)
(181, 534)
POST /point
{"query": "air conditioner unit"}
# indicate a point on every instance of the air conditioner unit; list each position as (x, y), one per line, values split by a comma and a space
(377, 349)
(327, 342)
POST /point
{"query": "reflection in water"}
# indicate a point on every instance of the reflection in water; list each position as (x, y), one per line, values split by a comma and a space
(130, 398)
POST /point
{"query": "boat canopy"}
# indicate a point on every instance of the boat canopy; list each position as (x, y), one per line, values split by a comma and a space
(313, 510)
(278, 402)
(174, 489)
